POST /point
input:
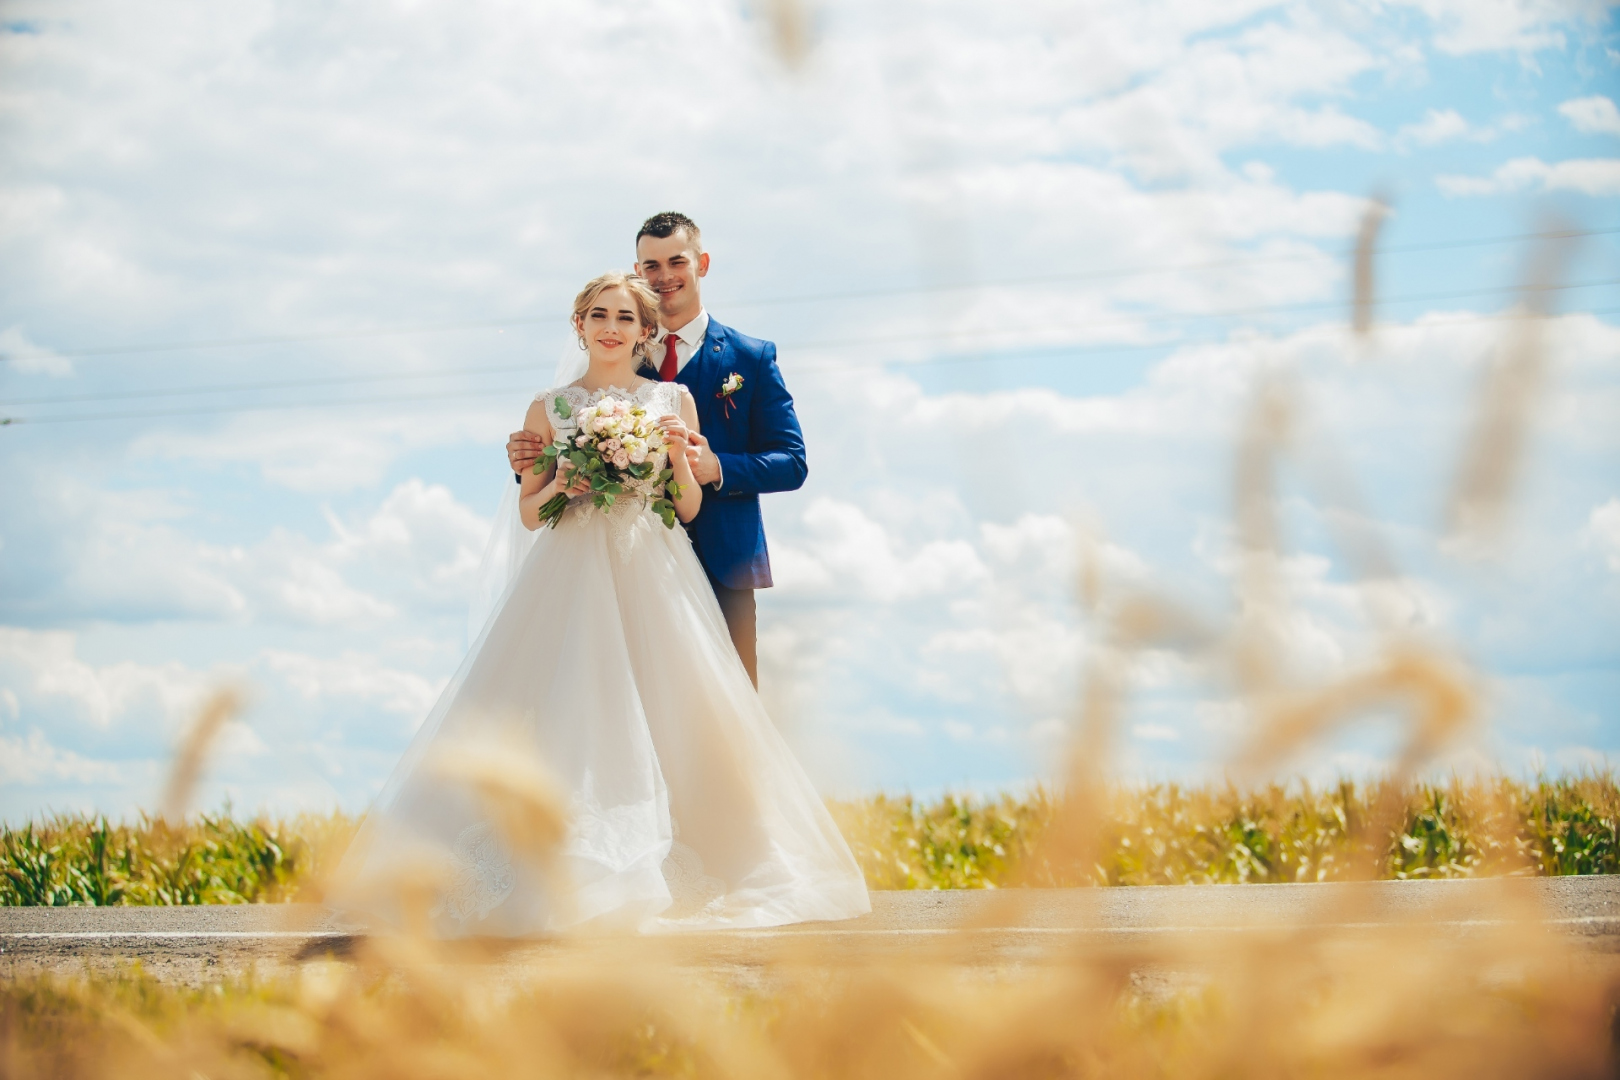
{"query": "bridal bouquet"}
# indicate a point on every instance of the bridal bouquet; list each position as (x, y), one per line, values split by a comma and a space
(615, 445)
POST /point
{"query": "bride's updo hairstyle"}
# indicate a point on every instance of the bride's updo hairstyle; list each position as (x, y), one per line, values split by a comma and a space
(641, 295)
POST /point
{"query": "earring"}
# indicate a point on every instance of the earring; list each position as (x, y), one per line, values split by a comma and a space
(582, 346)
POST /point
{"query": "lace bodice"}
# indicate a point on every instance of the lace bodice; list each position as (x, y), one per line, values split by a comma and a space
(630, 515)
(658, 398)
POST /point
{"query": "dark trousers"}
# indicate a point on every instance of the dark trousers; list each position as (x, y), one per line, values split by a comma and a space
(737, 605)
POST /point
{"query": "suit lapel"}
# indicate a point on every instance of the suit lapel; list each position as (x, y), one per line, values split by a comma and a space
(701, 374)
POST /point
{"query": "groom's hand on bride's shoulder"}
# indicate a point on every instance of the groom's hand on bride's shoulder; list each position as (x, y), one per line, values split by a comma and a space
(523, 450)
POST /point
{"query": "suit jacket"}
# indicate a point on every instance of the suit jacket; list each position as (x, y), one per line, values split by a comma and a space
(755, 433)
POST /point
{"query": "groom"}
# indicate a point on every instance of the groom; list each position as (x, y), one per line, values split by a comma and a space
(751, 443)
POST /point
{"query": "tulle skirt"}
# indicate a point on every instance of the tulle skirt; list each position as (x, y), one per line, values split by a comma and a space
(608, 662)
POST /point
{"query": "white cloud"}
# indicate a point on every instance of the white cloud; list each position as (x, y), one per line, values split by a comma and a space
(1602, 532)
(352, 675)
(326, 452)
(46, 664)
(1594, 115)
(1155, 733)
(1589, 176)
(1437, 126)
(135, 553)
(23, 356)
(33, 760)
(1440, 126)
(1525, 26)
(846, 546)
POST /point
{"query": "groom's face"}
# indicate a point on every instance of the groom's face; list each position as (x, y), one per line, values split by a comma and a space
(672, 268)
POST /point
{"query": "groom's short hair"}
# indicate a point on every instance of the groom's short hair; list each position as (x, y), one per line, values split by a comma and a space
(667, 224)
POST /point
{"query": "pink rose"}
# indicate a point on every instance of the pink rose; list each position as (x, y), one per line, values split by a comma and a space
(621, 459)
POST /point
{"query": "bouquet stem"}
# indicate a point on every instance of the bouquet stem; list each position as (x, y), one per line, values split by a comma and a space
(551, 511)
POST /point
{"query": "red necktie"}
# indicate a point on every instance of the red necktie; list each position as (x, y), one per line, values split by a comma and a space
(666, 371)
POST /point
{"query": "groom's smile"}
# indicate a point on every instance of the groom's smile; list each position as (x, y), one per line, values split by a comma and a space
(672, 265)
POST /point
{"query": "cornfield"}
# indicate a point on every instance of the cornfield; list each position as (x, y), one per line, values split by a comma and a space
(1160, 835)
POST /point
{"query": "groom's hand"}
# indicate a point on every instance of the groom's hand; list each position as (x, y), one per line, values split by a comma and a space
(523, 450)
(705, 466)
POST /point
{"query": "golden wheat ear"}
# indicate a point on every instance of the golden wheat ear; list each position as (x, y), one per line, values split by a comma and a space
(220, 707)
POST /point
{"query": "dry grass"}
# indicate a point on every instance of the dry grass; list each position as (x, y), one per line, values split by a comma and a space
(1508, 1001)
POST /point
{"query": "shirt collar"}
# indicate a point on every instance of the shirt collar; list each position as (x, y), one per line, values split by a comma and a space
(693, 332)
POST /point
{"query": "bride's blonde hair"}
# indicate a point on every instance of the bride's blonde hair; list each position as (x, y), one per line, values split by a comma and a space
(641, 295)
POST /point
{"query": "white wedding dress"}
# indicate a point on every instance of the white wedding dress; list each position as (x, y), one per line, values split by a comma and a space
(608, 659)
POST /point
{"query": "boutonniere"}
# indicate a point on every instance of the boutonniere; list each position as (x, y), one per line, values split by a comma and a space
(732, 384)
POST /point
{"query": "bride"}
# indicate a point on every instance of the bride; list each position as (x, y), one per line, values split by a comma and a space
(608, 660)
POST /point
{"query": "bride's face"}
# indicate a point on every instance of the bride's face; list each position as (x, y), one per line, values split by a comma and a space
(611, 328)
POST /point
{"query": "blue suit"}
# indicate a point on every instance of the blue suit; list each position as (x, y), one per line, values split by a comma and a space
(760, 448)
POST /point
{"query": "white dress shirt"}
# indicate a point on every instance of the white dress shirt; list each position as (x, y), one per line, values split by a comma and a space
(688, 340)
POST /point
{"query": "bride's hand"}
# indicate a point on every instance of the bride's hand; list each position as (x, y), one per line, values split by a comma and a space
(675, 431)
(571, 482)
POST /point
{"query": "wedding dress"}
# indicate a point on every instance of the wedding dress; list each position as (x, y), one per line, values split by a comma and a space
(608, 660)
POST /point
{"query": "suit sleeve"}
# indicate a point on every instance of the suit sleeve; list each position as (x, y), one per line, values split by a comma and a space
(775, 458)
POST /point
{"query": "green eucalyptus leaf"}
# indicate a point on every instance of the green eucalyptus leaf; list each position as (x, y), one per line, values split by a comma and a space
(560, 404)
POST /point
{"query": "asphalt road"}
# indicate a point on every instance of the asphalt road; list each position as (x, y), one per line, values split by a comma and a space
(994, 929)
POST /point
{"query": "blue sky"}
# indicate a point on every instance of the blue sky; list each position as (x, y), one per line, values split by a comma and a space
(279, 279)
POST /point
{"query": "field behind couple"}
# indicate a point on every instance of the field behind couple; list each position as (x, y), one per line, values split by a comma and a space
(1164, 834)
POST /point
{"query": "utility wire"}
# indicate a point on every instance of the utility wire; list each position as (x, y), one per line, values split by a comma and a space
(1058, 352)
(283, 384)
(1128, 320)
(1099, 275)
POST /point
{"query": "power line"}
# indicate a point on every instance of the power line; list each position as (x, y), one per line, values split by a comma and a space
(1179, 268)
(956, 335)
(1230, 313)
(1099, 275)
(1057, 352)
(506, 392)
(283, 384)
(281, 407)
